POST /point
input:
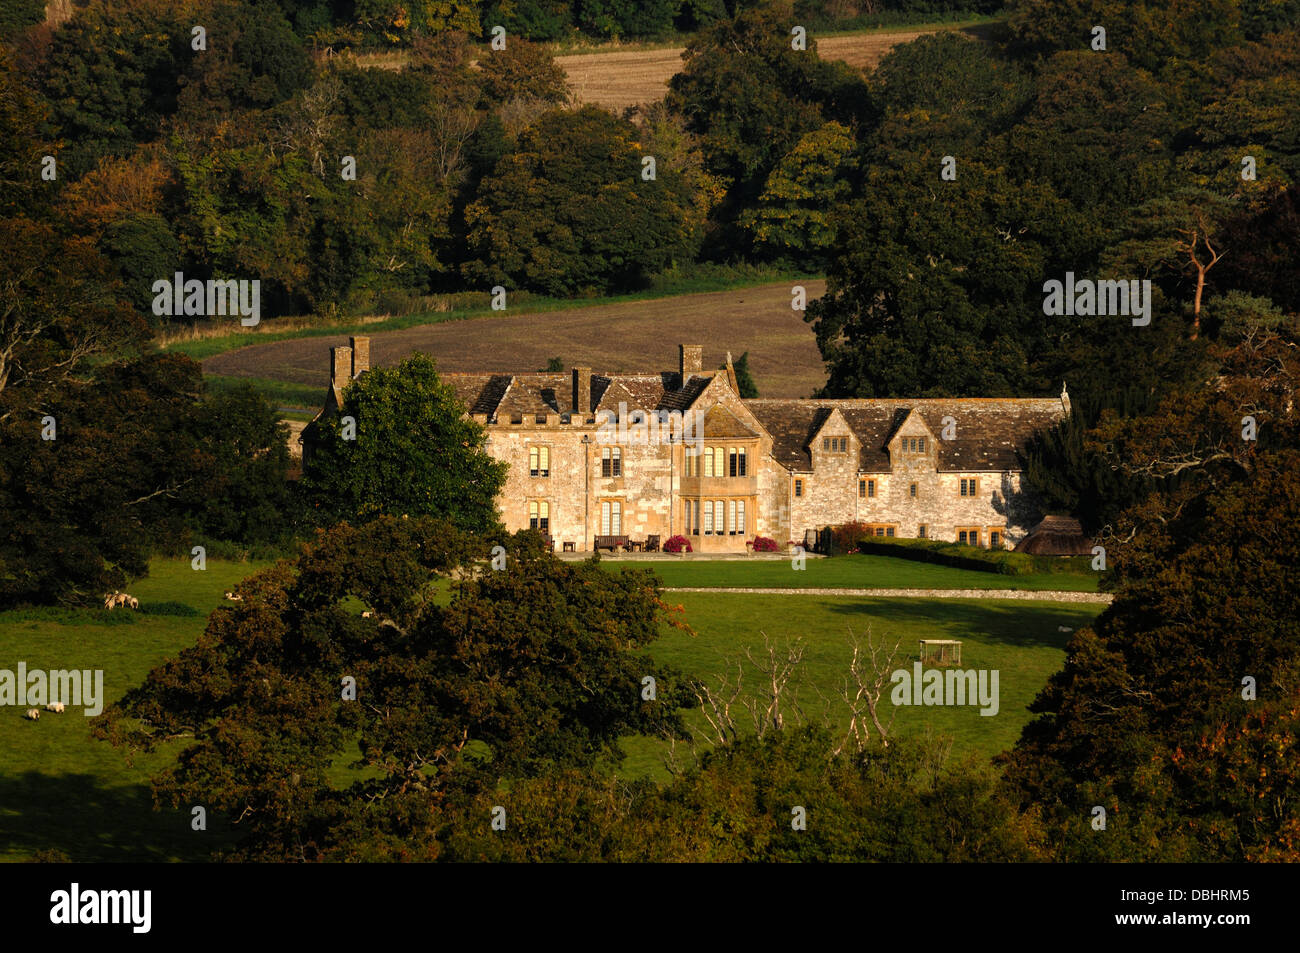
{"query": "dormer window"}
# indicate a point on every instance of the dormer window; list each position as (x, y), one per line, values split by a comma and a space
(912, 445)
(835, 444)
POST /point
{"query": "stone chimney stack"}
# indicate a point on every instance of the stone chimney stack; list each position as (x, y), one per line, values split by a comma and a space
(340, 366)
(582, 390)
(692, 360)
(360, 356)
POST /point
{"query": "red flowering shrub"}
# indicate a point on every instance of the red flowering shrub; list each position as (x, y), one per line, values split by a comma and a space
(678, 544)
(764, 545)
(845, 536)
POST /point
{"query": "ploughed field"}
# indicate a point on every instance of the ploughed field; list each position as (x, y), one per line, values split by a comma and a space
(626, 336)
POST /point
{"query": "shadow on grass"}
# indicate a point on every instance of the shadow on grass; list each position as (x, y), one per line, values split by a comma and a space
(90, 822)
(1022, 624)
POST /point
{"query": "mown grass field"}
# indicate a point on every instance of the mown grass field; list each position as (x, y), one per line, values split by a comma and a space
(1019, 639)
(849, 572)
(62, 790)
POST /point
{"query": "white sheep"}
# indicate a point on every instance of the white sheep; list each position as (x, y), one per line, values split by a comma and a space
(55, 707)
(1064, 628)
(234, 598)
(367, 614)
(33, 714)
(133, 602)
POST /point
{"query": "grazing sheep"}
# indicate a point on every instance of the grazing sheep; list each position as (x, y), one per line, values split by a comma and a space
(33, 714)
(110, 600)
(55, 707)
(1064, 628)
(367, 614)
(133, 602)
(234, 598)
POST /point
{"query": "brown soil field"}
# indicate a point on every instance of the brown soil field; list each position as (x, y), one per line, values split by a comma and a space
(625, 337)
(625, 78)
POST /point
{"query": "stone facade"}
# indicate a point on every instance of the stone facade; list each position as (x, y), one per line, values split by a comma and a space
(682, 453)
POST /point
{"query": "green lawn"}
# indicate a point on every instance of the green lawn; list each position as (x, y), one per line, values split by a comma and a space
(307, 397)
(849, 572)
(1019, 639)
(60, 789)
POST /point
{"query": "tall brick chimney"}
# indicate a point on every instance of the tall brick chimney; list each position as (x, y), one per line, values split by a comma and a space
(360, 356)
(340, 366)
(692, 360)
(582, 390)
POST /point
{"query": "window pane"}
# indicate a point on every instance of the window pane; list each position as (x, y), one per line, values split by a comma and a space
(920, 445)
(743, 471)
(740, 517)
(708, 517)
(618, 519)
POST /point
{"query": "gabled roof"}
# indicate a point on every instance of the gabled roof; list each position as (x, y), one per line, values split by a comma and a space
(721, 422)
(509, 395)
(480, 393)
(989, 431)
(637, 392)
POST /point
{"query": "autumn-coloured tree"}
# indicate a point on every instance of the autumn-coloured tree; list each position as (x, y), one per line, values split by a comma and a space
(1204, 572)
(793, 216)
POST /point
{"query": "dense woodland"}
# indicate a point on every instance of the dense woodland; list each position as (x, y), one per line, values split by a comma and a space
(474, 169)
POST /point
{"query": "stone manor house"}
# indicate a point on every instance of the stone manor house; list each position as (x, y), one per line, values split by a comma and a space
(680, 452)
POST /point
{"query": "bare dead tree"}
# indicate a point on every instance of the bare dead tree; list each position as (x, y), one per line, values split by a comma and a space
(308, 127)
(774, 670)
(519, 113)
(869, 674)
(451, 126)
(716, 705)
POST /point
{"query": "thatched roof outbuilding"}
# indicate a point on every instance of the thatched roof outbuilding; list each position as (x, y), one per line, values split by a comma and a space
(1056, 536)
